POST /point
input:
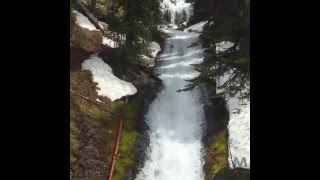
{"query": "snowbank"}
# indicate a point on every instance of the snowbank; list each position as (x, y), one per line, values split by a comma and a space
(196, 27)
(155, 48)
(239, 123)
(84, 22)
(239, 132)
(109, 85)
(239, 126)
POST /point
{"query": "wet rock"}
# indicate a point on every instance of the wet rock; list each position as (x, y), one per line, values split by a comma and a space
(233, 174)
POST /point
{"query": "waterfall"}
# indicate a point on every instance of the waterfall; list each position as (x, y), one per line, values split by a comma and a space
(176, 118)
(174, 9)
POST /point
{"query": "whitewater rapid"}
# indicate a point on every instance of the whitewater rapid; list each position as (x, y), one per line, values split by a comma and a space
(176, 118)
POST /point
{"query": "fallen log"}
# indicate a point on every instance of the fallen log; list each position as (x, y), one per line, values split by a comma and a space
(81, 6)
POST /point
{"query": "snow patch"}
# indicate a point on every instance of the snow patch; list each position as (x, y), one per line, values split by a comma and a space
(155, 48)
(109, 85)
(84, 22)
(223, 46)
(196, 27)
(98, 100)
(109, 42)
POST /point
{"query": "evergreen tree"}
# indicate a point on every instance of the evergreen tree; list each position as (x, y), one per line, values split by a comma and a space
(231, 23)
(138, 21)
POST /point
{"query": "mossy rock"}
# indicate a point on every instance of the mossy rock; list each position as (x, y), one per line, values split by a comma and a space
(216, 157)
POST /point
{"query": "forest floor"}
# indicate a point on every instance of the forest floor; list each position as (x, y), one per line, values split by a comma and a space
(93, 130)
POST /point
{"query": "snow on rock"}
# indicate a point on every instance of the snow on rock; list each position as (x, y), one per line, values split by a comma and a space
(223, 46)
(98, 100)
(196, 27)
(147, 61)
(109, 42)
(109, 85)
(155, 48)
(84, 22)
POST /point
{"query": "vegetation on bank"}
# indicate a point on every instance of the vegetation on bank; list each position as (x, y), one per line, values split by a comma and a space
(135, 21)
(231, 22)
(216, 140)
(94, 128)
(100, 128)
(216, 157)
(88, 120)
(127, 156)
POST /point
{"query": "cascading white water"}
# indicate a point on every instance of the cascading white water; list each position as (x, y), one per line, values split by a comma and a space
(175, 118)
(174, 7)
